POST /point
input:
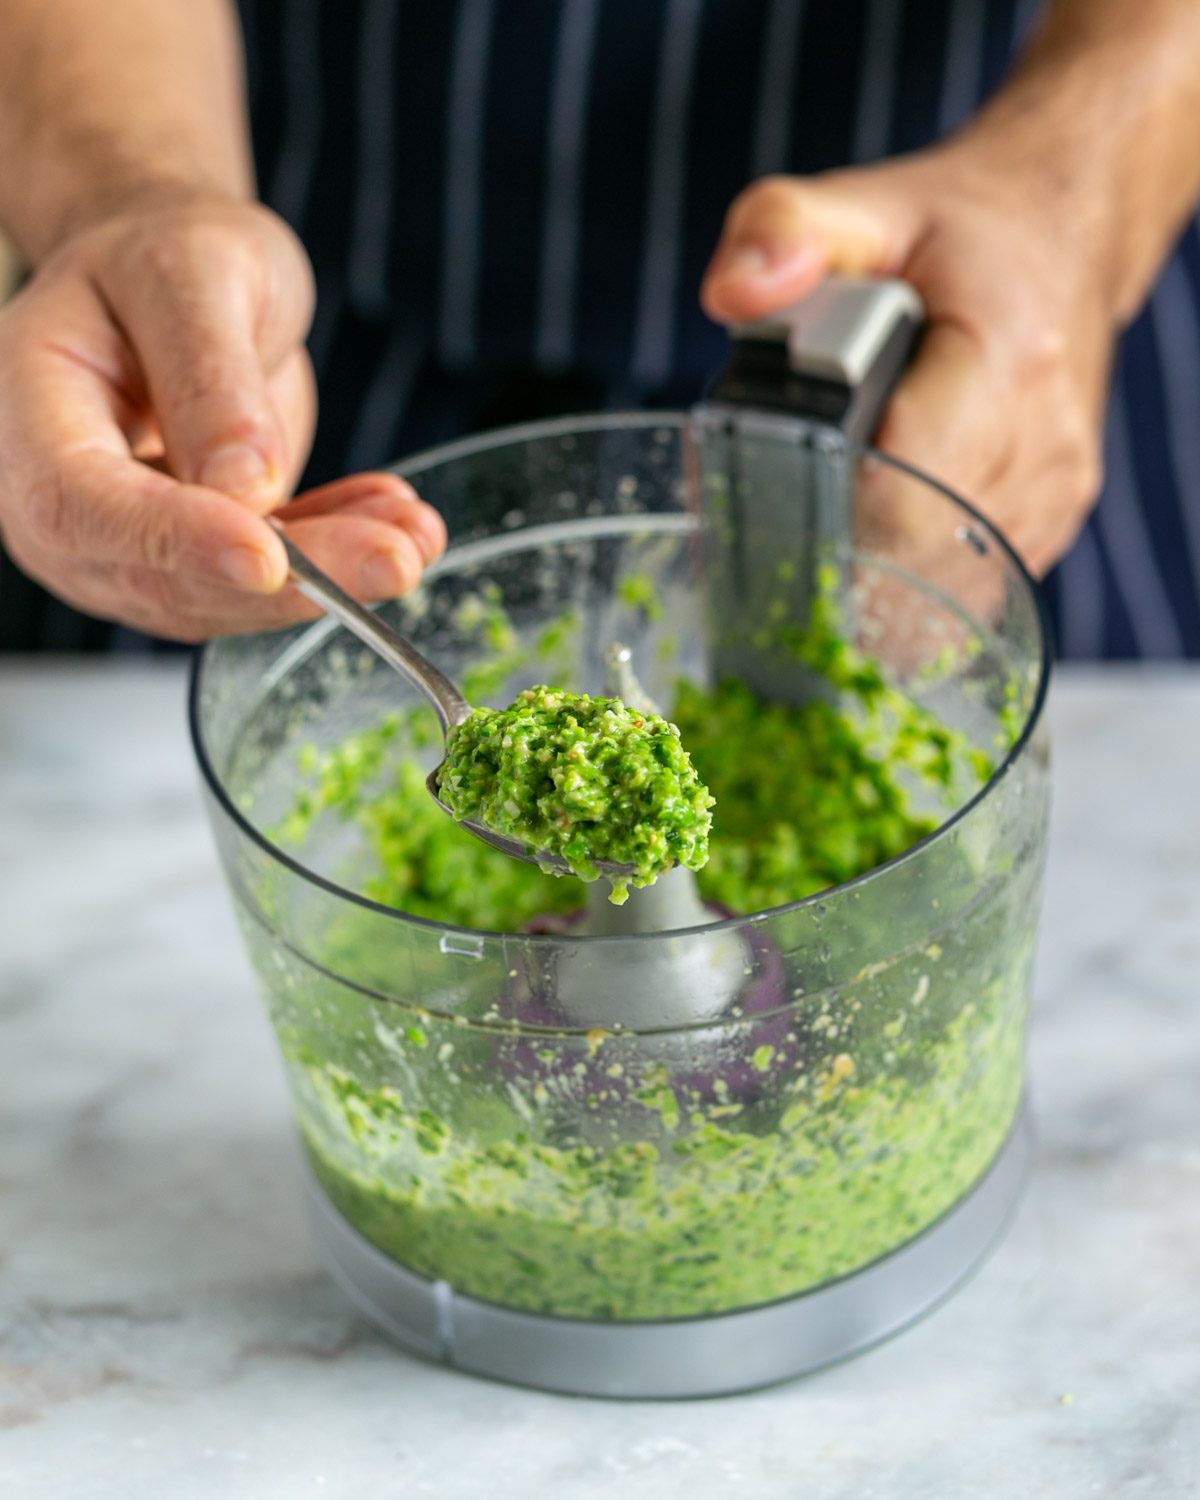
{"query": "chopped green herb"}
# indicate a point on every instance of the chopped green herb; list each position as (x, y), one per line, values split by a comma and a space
(586, 779)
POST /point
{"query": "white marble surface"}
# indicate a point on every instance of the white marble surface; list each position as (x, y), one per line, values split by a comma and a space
(165, 1333)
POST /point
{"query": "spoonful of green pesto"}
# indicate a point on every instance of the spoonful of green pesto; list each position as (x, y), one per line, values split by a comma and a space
(579, 785)
(602, 788)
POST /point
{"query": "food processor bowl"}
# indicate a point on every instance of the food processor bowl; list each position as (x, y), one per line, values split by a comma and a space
(652, 1163)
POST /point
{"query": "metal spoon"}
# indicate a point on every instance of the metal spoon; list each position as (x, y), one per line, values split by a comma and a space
(444, 697)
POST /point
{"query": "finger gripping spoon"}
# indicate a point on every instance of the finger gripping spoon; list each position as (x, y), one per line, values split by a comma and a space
(443, 696)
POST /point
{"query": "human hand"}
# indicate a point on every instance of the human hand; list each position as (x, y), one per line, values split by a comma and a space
(1005, 400)
(156, 402)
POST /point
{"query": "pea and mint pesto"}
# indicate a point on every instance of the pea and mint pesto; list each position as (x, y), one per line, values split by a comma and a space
(706, 1202)
(475, 1135)
(587, 779)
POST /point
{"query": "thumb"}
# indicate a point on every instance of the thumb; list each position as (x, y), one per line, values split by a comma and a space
(783, 234)
(198, 337)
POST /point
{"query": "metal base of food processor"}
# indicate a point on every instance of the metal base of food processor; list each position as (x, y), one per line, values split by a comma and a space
(709, 1356)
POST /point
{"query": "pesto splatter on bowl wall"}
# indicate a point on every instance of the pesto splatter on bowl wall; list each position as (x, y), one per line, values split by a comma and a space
(875, 867)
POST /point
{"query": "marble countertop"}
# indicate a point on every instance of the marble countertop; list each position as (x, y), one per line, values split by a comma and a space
(165, 1333)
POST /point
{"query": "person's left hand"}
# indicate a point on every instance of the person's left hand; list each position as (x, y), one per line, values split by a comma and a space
(1005, 400)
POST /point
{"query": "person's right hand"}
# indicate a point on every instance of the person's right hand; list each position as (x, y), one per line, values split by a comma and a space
(156, 401)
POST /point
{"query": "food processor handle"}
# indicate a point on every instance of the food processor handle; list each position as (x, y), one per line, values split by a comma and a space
(834, 357)
(448, 703)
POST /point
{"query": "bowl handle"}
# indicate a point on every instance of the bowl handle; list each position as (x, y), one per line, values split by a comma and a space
(834, 357)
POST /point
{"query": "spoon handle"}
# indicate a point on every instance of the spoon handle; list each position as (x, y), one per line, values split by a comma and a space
(449, 704)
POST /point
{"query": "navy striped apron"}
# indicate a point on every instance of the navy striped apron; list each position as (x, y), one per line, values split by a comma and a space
(509, 205)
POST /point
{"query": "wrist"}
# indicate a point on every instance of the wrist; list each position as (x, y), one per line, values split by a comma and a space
(1070, 202)
(121, 196)
(1095, 132)
(80, 170)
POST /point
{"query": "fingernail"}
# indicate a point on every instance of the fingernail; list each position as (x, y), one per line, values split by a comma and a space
(373, 489)
(246, 566)
(742, 260)
(379, 575)
(238, 469)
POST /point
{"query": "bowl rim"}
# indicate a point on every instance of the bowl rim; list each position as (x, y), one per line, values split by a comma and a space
(593, 422)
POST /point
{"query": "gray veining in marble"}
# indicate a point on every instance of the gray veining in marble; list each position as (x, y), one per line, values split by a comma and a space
(166, 1335)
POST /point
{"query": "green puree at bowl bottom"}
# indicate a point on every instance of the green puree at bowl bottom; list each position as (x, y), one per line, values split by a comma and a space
(586, 779)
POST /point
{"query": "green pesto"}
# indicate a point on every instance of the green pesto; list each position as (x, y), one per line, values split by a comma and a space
(700, 1209)
(639, 592)
(586, 779)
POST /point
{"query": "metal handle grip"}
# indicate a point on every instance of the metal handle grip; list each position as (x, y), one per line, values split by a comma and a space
(449, 704)
(835, 356)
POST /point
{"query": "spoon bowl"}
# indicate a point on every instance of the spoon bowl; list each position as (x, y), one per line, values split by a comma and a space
(552, 864)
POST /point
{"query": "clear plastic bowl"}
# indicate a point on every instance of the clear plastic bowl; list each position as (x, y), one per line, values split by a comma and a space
(536, 1120)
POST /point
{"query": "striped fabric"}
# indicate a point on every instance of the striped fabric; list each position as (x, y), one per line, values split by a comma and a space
(509, 204)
